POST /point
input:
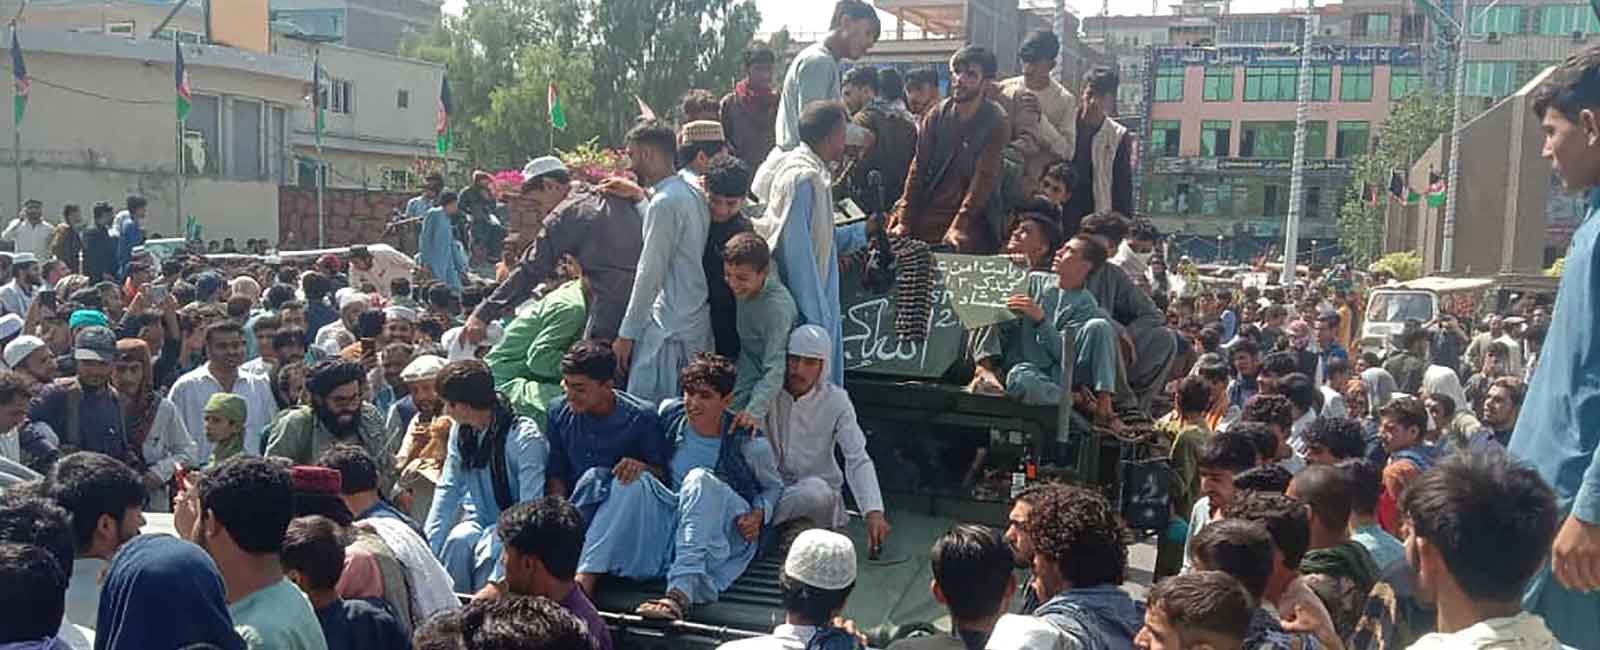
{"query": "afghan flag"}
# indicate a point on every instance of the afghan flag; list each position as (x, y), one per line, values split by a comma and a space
(20, 80)
(185, 99)
(1436, 190)
(442, 129)
(558, 114)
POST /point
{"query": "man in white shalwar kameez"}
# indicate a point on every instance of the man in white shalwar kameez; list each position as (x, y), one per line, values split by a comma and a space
(810, 417)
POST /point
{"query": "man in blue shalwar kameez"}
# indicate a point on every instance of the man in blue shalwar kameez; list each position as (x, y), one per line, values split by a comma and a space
(724, 488)
(1033, 343)
(668, 319)
(437, 248)
(495, 460)
(1558, 433)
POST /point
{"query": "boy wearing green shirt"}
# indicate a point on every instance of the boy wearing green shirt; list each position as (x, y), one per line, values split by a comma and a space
(767, 313)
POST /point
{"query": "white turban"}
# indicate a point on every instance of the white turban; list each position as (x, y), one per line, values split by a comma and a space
(810, 341)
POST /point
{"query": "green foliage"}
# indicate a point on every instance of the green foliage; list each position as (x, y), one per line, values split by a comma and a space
(1410, 128)
(1403, 266)
(502, 54)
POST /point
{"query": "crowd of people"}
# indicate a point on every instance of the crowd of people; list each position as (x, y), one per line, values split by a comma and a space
(652, 387)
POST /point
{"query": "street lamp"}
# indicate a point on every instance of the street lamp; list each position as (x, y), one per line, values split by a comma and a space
(1220, 257)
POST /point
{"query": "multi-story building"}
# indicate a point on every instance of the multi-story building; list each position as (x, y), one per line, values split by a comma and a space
(1221, 135)
(380, 25)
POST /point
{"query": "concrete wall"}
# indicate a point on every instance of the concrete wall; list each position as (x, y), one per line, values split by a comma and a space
(241, 24)
(1502, 195)
(241, 210)
(235, 23)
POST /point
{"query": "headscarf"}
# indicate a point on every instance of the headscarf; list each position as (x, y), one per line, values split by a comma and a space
(1380, 386)
(1439, 380)
(139, 406)
(163, 592)
(87, 317)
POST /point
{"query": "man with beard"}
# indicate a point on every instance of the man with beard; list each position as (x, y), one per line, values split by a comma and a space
(84, 411)
(224, 346)
(1021, 543)
(30, 358)
(496, 460)
(809, 418)
(750, 112)
(106, 499)
(17, 295)
(239, 513)
(603, 233)
(409, 429)
(957, 162)
(336, 414)
(1502, 405)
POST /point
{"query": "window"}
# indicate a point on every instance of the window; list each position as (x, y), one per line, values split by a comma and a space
(1164, 138)
(339, 96)
(1169, 84)
(1493, 79)
(1216, 138)
(1266, 139)
(1352, 139)
(123, 27)
(402, 98)
(1274, 200)
(1270, 83)
(1373, 25)
(1313, 201)
(1219, 84)
(306, 172)
(202, 136)
(1564, 20)
(1355, 83)
(182, 36)
(1500, 19)
(1412, 26)
(1316, 140)
(1403, 81)
(244, 134)
(1321, 83)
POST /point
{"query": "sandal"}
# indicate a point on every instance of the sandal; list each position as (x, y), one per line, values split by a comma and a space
(671, 607)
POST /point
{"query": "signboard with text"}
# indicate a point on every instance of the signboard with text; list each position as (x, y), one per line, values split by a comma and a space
(1260, 55)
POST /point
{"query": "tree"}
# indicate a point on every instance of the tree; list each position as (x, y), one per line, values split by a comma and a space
(1403, 266)
(502, 54)
(1409, 129)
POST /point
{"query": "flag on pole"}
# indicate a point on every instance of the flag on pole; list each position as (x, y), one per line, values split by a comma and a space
(320, 120)
(445, 133)
(185, 99)
(1436, 190)
(21, 82)
(558, 114)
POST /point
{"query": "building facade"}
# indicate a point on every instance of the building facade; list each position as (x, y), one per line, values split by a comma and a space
(378, 25)
(1221, 136)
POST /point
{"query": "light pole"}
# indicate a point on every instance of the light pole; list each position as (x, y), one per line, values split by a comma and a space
(1297, 181)
(315, 41)
(1447, 247)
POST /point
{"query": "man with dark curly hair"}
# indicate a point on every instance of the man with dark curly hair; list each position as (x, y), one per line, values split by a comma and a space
(1289, 525)
(1329, 440)
(1080, 560)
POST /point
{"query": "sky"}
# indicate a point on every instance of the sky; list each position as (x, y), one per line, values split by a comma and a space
(805, 16)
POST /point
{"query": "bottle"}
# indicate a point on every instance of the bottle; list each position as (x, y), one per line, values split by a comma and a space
(1019, 477)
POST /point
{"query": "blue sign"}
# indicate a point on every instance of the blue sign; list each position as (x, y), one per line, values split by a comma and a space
(1261, 55)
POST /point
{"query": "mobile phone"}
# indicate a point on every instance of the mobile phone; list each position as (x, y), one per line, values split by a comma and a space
(47, 299)
(368, 346)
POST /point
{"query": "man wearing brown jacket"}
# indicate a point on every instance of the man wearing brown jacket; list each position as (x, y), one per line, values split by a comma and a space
(957, 162)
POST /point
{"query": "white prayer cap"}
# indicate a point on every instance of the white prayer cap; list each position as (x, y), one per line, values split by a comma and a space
(245, 285)
(822, 559)
(810, 341)
(10, 325)
(401, 312)
(353, 298)
(20, 348)
(18, 259)
(426, 366)
(541, 166)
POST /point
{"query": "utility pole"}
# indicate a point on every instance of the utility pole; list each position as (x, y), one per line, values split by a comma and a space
(1447, 248)
(1297, 180)
(322, 164)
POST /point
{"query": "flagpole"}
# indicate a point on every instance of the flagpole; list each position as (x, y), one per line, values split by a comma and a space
(177, 141)
(322, 165)
(16, 125)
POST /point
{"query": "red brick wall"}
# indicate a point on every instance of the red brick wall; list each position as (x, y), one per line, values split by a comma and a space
(352, 216)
